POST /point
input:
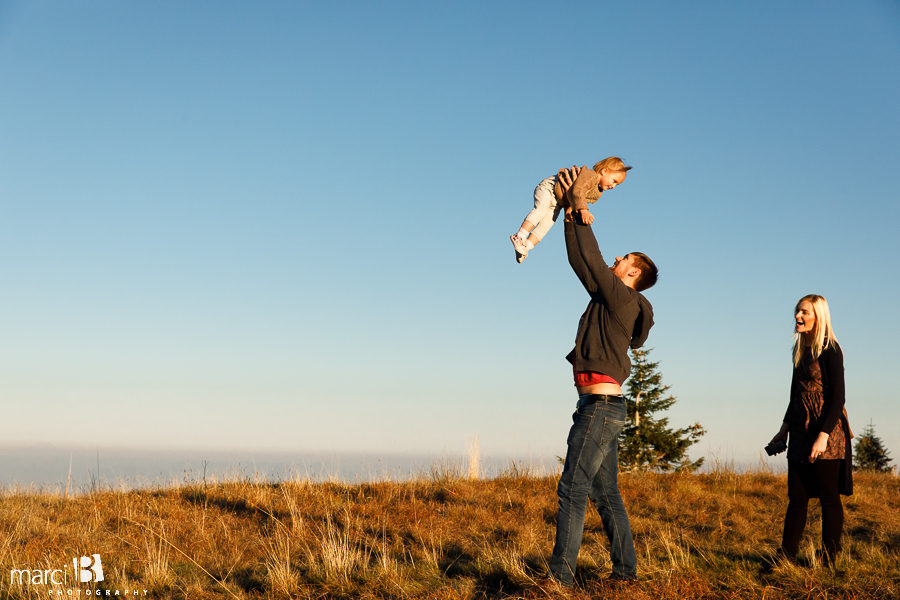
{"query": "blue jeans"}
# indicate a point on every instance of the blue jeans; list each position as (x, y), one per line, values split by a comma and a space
(591, 470)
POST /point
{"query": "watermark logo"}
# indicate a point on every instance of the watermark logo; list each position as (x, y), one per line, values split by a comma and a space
(85, 569)
(88, 568)
(81, 581)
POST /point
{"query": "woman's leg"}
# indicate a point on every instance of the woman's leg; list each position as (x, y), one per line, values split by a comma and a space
(795, 518)
(827, 473)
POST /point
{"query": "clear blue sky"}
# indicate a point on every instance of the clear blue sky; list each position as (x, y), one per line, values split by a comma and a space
(284, 225)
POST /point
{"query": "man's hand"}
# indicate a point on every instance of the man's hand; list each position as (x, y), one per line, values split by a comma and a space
(567, 177)
(586, 217)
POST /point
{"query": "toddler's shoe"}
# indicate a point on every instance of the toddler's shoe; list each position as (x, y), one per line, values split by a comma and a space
(521, 249)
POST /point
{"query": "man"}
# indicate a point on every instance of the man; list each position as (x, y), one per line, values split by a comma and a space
(617, 317)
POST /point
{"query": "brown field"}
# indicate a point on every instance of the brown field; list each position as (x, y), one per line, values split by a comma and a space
(443, 536)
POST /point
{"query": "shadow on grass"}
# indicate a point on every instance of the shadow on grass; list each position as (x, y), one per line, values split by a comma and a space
(236, 506)
(496, 582)
(760, 558)
(865, 532)
(458, 563)
(251, 580)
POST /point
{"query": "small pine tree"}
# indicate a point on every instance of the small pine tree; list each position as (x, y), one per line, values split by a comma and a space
(869, 453)
(647, 442)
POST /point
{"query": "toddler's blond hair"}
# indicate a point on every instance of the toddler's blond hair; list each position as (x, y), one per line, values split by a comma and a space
(613, 163)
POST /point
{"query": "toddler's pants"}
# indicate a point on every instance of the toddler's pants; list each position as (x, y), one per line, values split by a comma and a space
(546, 210)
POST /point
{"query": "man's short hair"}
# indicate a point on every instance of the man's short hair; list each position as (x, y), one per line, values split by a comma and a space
(649, 272)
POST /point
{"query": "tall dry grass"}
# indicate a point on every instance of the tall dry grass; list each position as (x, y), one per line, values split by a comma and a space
(444, 536)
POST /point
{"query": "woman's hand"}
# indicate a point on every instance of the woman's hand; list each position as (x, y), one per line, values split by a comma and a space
(818, 446)
(779, 437)
(782, 434)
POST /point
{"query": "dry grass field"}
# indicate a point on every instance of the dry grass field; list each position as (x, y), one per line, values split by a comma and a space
(442, 536)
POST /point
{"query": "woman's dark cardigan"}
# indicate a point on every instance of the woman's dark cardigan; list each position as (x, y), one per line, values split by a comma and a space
(831, 363)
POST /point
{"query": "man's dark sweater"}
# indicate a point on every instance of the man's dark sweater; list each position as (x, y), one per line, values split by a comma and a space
(616, 317)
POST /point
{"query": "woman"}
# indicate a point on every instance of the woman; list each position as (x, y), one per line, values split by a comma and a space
(816, 425)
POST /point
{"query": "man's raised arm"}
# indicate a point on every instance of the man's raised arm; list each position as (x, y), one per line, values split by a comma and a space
(576, 260)
(592, 266)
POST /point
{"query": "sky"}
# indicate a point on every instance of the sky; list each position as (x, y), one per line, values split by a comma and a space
(284, 226)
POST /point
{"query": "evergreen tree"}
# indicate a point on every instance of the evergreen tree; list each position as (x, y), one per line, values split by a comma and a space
(869, 453)
(648, 443)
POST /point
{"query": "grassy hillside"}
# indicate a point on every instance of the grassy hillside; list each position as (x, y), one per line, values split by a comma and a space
(697, 536)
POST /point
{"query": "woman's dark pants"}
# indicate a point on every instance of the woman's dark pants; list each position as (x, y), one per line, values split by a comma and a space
(804, 480)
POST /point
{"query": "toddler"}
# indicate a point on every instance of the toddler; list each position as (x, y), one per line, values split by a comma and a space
(558, 193)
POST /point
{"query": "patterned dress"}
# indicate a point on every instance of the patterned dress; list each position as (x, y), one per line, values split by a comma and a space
(807, 413)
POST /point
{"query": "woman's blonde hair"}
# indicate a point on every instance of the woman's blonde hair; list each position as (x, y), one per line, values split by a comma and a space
(613, 163)
(822, 334)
